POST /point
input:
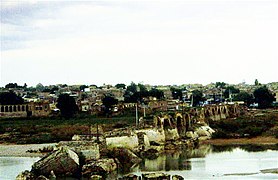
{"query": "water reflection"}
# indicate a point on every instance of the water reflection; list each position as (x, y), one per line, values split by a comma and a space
(178, 160)
(246, 147)
(215, 161)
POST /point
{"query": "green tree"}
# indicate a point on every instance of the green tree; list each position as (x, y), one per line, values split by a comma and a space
(230, 90)
(256, 82)
(121, 85)
(67, 105)
(197, 97)
(7, 98)
(244, 96)
(220, 85)
(82, 87)
(11, 85)
(132, 87)
(109, 101)
(263, 97)
(40, 87)
(176, 93)
(156, 93)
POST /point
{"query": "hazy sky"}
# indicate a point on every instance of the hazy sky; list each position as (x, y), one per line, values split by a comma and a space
(154, 42)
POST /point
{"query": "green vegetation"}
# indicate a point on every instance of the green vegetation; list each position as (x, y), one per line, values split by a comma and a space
(10, 98)
(197, 97)
(244, 96)
(230, 90)
(245, 126)
(109, 102)
(263, 97)
(136, 93)
(67, 105)
(55, 129)
(176, 93)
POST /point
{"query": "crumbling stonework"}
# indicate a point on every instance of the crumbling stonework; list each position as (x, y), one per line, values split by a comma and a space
(63, 162)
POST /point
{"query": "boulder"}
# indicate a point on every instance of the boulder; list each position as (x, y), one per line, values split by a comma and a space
(129, 177)
(150, 154)
(192, 135)
(177, 177)
(64, 162)
(41, 177)
(96, 177)
(86, 149)
(25, 175)
(52, 176)
(126, 157)
(171, 134)
(156, 176)
(202, 132)
(99, 167)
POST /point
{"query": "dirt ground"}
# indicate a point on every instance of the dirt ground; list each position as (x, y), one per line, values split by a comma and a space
(239, 141)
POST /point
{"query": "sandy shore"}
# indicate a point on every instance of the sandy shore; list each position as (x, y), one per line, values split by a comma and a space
(20, 150)
(242, 141)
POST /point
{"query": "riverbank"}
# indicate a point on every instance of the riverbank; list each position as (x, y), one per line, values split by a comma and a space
(261, 140)
(16, 150)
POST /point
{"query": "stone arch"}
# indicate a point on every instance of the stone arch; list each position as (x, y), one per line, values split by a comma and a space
(10, 109)
(213, 111)
(207, 113)
(166, 122)
(23, 108)
(6, 109)
(2, 109)
(224, 110)
(14, 108)
(218, 111)
(19, 108)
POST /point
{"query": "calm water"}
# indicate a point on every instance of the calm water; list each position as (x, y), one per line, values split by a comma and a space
(206, 162)
(10, 167)
(209, 162)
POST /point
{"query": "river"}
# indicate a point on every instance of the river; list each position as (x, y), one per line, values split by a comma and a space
(205, 162)
(215, 162)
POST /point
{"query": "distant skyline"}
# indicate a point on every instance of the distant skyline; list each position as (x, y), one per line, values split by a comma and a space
(152, 42)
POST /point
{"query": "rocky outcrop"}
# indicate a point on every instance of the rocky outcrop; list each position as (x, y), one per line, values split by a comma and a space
(129, 142)
(204, 132)
(64, 162)
(87, 150)
(126, 157)
(99, 167)
(129, 177)
(25, 175)
(177, 177)
(156, 176)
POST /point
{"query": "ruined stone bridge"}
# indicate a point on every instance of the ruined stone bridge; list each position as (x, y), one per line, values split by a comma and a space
(191, 123)
(183, 121)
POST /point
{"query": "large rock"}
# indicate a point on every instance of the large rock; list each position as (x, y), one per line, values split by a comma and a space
(64, 162)
(86, 149)
(25, 175)
(129, 141)
(156, 176)
(177, 177)
(129, 177)
(192, 135)
(99, 167)
(154, 135)
(126, 157)
(171, 134)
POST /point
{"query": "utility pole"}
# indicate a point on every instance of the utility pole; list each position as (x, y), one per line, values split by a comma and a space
(192, 100)
(136, 114)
